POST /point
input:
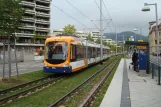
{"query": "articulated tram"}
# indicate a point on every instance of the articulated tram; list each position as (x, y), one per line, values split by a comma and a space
(67, 54)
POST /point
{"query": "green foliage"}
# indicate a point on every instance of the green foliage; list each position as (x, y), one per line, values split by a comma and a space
(98, 41)
(105, 43)
(10, 16)
(89, 37)
(37, 36)
(69, 29)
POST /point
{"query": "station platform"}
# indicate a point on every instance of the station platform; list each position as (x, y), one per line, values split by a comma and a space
(128, 89)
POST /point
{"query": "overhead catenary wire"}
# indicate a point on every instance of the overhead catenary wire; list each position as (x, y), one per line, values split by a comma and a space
(103, 15)
(69, 15)
(108, 13)
(82, 13)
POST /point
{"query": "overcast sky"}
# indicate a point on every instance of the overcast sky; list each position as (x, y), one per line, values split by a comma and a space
(126, 14)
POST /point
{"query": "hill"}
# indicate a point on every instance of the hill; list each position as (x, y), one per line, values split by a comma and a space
(125, 34)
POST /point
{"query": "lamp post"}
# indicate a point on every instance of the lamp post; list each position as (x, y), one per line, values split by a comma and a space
(148, 9)
(101, 33)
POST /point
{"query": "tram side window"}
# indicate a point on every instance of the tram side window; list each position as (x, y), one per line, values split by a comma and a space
(89, 52)
(73, 53)
(98, 52)
(80, 52)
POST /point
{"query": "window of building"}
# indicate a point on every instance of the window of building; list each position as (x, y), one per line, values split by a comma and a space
(155, 41)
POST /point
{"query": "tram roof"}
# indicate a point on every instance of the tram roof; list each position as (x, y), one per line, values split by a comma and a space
(84, 42)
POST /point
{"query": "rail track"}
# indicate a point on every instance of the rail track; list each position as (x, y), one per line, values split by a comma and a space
(31, 87)
(90, 98)
(69, 94)
(25, 85)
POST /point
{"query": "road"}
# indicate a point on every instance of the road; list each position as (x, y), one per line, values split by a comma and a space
(24, 67)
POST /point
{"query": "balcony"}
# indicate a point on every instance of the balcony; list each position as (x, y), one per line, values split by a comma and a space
(25, 3)
(43, 22)
(28, 19)
(42, 29)
(27, 27)
(42, 14)
(24, 34)
(43, 1)
(30, 12)
(43, 7)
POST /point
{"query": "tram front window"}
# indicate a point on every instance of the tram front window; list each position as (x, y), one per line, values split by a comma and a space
(56, 52)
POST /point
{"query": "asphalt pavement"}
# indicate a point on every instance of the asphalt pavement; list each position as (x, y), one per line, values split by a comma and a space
(23, 67)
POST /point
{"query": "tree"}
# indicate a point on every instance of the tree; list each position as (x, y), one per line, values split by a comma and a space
(104, 43)
(89, 37)
(69, 29)
(10, 17)
(98, 41)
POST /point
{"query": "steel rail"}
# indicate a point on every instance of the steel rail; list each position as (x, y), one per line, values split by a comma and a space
(23, 85)
(87, 101)
(59, 101)
(17, 95)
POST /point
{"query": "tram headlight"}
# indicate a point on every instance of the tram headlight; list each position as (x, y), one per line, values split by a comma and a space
(65, 65)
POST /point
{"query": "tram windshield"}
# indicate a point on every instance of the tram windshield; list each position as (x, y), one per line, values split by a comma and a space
(56, 52)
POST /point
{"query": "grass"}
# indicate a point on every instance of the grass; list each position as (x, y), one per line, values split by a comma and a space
(84, 92)
(49, 95)
(102, 93)
(23, 78)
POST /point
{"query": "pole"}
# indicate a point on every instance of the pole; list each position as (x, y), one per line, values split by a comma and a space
(123, 44)
(101, 25)
(3, 60)
(140, 33)
(86, 53)
(116, 39)
(16, 57)
(157, 35)
(9, 58)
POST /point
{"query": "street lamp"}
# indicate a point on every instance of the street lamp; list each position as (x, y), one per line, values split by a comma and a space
(135, 30)
(148, 9)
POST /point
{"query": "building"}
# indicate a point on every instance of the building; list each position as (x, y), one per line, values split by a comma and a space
(82, 34)
(95, 35)
(110, 41)
(152, 36)
(57, 32)
(36, 21)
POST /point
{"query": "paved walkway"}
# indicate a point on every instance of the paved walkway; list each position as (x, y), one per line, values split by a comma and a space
(135, 91)
(144, 91)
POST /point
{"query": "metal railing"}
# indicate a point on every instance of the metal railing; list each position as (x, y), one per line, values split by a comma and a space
(155, 70)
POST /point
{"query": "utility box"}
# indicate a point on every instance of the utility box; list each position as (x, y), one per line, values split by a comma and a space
(142, 61)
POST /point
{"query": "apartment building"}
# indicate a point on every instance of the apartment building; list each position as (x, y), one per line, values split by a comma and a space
(36, 21)
(95, 35)
(152, 36)
(82, 34)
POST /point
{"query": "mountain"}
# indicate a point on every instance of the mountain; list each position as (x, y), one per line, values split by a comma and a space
(126, 34)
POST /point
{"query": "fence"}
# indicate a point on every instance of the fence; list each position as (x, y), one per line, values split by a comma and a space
(155, 71)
